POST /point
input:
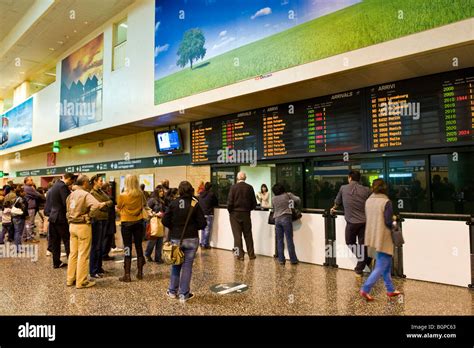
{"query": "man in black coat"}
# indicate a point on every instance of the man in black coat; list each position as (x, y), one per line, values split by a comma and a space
(56, 209)
(240, 202)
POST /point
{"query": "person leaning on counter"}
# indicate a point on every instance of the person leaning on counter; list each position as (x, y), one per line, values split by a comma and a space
(80, 204)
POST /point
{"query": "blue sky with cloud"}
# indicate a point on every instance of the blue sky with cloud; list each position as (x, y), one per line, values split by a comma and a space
(228, 24)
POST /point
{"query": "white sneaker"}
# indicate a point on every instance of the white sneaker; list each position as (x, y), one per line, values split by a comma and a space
(63, 254)
(117, 250)
(48, 253)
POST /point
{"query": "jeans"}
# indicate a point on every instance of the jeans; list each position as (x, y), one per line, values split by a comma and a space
(180, 280)
(6, 228)
(30, 222)
(98, 235)
(157, 244)
(284, 228)
(18, 226)
(132, 232)
(383, 267)
(206, 232)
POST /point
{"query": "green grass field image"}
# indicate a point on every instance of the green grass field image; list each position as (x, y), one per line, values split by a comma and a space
(363, 24)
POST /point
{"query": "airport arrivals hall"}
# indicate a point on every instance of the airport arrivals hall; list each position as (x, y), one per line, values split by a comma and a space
(236, 158)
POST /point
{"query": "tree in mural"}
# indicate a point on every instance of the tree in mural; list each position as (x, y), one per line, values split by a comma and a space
(191, 48)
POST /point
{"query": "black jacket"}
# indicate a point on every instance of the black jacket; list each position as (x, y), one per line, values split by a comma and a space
(55, 206)
(241, 198)
(208, 201)
(175, 217)
(155, 204)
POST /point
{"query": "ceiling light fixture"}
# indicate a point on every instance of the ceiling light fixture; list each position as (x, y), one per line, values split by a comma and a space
(86, 22)
(51, 49)
(60, 42)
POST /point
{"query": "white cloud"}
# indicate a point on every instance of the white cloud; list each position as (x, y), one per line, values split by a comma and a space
(223, 33)
(262, 12)
(267, 25)
(157, 25)
(160, 49)
(223, 43)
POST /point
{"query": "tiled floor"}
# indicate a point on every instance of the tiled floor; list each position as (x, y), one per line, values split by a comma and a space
(35, 288)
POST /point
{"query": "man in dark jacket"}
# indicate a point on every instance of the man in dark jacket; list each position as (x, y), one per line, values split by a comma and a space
(207, 201)
(352, 197)
(240, 202)
(56, 209)
(32, 198)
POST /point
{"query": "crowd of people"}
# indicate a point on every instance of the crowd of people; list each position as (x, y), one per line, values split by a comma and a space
(81, 213)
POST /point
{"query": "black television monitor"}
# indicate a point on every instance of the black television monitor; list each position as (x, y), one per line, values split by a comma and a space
(169, 142)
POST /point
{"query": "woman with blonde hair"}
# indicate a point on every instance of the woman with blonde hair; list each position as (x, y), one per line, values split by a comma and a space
(130, 205)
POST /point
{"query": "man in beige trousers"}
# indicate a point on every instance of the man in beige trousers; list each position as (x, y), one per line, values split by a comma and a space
(80, 204)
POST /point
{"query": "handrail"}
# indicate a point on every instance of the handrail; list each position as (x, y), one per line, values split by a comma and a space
(438, 216)
(313, 210)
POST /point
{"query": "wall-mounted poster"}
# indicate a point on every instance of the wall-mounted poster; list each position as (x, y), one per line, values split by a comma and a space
(17, 125)
(81, 86)
(148, 180)
(201, 44)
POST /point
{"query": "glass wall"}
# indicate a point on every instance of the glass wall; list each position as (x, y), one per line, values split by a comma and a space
(438, 183)
(452, 183)
(407, 184)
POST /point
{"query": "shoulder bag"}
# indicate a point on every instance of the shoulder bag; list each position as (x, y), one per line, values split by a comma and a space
(295, 212)
(15, 210)
(172, 254)
(397, 236)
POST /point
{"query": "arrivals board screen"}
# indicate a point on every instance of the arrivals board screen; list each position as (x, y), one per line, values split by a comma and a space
(329, 124)
(426, 112)
(429, 111)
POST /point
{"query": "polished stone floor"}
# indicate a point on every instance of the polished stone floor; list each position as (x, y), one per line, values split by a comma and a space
(35, 288)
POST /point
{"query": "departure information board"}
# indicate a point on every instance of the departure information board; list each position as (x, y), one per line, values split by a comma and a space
(215, 140)
(425, 112)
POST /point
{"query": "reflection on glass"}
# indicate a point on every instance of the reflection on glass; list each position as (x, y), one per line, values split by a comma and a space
(407, 185)
(452, 183)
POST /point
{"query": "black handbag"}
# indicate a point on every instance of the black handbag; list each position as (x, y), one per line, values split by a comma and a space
(271, 219)
(295, 212)
(397, 236)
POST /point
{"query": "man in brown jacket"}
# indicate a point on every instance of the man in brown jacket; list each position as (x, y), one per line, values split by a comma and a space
(80, 204)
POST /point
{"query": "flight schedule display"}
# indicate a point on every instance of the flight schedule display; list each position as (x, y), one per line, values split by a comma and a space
(426, 112)
(330, 124)
(215, 140)
(429, 111)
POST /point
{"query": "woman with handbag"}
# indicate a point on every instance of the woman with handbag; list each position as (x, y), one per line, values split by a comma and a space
(131, 204)
(19, 213)
(156, 203)
(378, 235)
(184, 217)
(283, 205)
